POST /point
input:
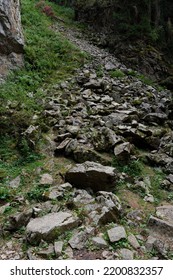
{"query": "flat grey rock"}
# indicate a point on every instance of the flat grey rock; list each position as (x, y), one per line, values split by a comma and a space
(117, 233)
(50, 226)
(92, 175)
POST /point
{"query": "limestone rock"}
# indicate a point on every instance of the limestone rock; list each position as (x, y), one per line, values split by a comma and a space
(50, 226)
(92, 175)
(117, 233)
(15, 182)
(18, 220)
(161, 226)
(58, 245)
(78, 240)
(57, 191)
(47, 252)
(46, 179)
(133, 241)
(11, 36)
(122, 151)
(99, 242)
(126, 254)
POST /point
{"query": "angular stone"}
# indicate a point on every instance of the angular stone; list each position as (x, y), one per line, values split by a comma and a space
(110, 66)
(165, 212)
(46, 253)
(149, 245)
(62, 145)
(15, 183)
(161, 226)
(20, 219)
(78, 240)
(11, 36)
(46, 179)
(99, 242)
(58, 245)
(158, 118)
(93, 84)
(170, 178)
(82, 197)
(133, 241)
(112, 209)
(122, 151)
(50, 226)
(126, 254)
(58, 191)
(92, 175)
(68, 253)
(117, 233)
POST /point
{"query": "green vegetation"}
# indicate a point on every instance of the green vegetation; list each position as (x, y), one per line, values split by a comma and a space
(49, 59)
(117, 74)
(133, 168)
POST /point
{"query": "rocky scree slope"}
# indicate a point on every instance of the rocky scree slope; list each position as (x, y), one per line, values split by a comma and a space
(89, 208)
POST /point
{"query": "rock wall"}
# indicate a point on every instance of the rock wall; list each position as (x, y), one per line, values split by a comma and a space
(11, 37)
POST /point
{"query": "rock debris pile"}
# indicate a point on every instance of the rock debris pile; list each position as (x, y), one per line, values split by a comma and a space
(104, 111)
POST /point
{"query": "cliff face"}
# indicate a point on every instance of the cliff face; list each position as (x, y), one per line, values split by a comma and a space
(11, 36)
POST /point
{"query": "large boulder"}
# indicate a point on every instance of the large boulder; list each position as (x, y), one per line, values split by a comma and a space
(11, 36)
(50, 226)
(92, 175)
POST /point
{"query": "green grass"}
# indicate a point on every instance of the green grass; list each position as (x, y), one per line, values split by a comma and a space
(117, 74)
(49, 58)
(133, 168)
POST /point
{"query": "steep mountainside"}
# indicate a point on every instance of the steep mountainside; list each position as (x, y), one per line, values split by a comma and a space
(86, 150)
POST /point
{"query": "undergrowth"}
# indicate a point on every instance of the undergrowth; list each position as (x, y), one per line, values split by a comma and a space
(49, 59)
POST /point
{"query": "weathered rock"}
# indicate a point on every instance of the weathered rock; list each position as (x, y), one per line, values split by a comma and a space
(82, 197)
(57, 191)
(78, 240)
(122, 151)
(11, 36)
(18, 220)
(112, 209)
(149, 245)
(92, 175)
(161, 226)
(46, 179)
(161, 159)
(170, 178)
(15, 183)
(84, 153)
(117, 233)
(126, 254)
(58, 246)
(50, 226)
(46, 253)
(99, 242)
(133, 241)
(165, 212)
(158, 118)
(68, 253)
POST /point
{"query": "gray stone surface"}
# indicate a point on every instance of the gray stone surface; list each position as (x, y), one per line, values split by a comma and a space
(117, 233)
(126, 254)
(46, 179)
(50, 226)
(133, 241)
(92, 175)
(11, 36)
(77, 241)
(161, 226)
(58, 246)
(99, 242)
